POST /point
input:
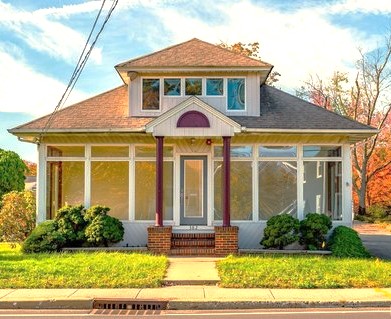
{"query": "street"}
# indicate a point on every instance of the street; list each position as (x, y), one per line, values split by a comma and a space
(321, 313)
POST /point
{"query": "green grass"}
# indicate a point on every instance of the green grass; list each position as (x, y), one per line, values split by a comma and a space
(303, 272)
(80, 270)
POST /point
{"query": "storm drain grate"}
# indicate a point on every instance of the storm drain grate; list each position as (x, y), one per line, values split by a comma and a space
(129, 304)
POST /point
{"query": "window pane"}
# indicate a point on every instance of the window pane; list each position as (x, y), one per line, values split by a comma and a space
(277, 189)
(109, 151)
(145, 184)
(110, 187)
(65, 185)
(236, 151)
(172, 87)
(65, 151)
(236, 91)
(193, 86)
(323, 188)
(151, 94)
(322, 151)
(277, 151)
(150, 151)
(214, 87)
(241, 190)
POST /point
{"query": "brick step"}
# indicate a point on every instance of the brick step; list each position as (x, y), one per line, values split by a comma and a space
(190, 242)
(193, 235)
(192, 252)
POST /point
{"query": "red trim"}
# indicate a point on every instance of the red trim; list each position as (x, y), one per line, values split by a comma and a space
(193, 119)
(226, 205)
(159, 180)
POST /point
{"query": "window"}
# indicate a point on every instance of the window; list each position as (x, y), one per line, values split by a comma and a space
(65, 151)
(277, 151)
(149, 151)
(236, 151)
(65, 185)
(277, 188)
(322, 193)
(172, 87)
(193, 86)
(109, 151)
(236, 94)
(215, 87)
(151, 94)
(322, 151)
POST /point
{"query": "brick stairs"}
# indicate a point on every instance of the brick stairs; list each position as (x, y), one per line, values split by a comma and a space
(192, 244)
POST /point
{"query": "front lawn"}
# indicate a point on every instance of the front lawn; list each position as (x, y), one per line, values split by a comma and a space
(303, 272)
(80, 270)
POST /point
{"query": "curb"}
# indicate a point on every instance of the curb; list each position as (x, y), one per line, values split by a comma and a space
(86, 304)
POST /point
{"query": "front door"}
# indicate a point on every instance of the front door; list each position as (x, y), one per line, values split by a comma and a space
(193, 190)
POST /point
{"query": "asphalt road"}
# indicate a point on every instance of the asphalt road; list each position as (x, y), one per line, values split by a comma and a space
(377, 245)
(356, 313)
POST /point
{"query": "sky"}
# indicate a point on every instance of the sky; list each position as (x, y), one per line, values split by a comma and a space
(41, 40)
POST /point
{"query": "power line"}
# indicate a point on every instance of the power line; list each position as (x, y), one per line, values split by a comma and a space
(79, 66)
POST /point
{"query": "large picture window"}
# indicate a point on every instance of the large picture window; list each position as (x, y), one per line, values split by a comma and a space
(236, 94)
(151, 94)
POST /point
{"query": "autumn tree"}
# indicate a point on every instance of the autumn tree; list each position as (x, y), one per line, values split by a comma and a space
(251, 50)
(365, 98)
(31, 168)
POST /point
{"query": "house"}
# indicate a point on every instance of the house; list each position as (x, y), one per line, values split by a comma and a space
(194, 152)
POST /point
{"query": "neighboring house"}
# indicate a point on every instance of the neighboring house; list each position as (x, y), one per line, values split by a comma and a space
(196, 144)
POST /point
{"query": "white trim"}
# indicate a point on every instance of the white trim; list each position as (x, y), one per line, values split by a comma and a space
(300, 180)
(41, 184)
(347, 200)
(87, 176)
(255, 188)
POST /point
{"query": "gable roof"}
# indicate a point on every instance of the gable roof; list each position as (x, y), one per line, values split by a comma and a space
(193, 53)
(283, 111)
(280, 113)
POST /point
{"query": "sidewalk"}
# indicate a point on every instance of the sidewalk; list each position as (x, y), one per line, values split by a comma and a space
(198, 297)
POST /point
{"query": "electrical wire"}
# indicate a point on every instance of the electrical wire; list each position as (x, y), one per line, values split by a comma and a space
(82, 61)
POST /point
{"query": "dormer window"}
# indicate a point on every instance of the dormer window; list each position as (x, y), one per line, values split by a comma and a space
(215, 87)
(172, 87)
(236, 94)
(151, 94)
(193, 86)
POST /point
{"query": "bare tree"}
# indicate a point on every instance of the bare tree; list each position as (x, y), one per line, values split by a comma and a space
(367, 100)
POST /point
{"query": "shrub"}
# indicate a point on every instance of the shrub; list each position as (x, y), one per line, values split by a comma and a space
(44, 238)
(280, 231)
(103, 230)
(17, 216)
(12, 169)
(313, 230)
(95, 211)
(71, 224)
(345, 242)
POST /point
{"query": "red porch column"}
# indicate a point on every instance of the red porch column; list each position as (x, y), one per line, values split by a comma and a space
(226, 205)
(159, 181)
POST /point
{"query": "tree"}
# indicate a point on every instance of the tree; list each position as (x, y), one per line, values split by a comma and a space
(367, 100)
(251, 50)
(31, 168)
(17, 216)
(12, 170)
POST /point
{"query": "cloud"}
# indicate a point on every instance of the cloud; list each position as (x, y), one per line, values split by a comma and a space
(360, 6)
(44, 35)
(24, 90)
(297, 43)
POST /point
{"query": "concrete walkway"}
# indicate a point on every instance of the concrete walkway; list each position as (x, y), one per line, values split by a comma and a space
(197, 297)
(192, 271)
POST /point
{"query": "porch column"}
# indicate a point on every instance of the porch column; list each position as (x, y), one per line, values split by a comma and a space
(159, 181)
(226, 205)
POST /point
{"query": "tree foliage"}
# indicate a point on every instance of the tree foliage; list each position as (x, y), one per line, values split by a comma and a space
(365, 98)
(17, 216)
(31, 168)
(251, 50)
(12, 170)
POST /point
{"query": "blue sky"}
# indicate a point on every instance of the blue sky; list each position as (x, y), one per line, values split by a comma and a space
(40, 42)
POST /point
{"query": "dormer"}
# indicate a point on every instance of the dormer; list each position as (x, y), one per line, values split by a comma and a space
(225, 80)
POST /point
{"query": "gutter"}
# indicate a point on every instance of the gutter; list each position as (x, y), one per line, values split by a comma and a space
(312, 131)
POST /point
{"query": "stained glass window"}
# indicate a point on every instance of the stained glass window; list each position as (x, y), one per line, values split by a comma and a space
(236, 90)
(214, 87)
(172, 87)
(193, 86)
(151, 94)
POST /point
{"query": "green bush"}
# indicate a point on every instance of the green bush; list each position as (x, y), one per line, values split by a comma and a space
(44, 238)
(95, 211)
(17, 216)
(313, 230)
(104, 230)
(280, 231)
(345, 242)
(71, 224)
